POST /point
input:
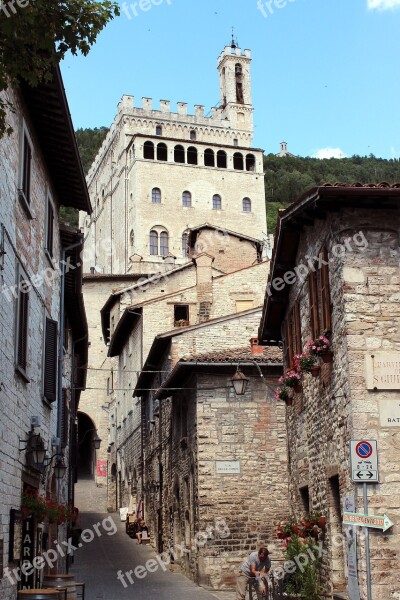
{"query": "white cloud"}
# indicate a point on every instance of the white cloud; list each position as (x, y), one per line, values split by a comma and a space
(329, 153)
(383, 4)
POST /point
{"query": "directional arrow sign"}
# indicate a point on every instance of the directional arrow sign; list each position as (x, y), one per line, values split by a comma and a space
(364, 475)
(360, 520)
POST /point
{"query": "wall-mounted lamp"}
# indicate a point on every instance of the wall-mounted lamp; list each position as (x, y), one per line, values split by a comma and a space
(95, 440)
(35, 450)
(239, 381)
(59, 465)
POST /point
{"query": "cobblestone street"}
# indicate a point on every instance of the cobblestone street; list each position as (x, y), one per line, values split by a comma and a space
(98, 561)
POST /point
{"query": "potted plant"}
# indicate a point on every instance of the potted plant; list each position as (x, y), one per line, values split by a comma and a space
(292, 379)
(307, 363)
(321, 346)
(282, 393)
(34, 505)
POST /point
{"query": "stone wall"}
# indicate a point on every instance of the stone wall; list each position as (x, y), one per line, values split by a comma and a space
(338, 406)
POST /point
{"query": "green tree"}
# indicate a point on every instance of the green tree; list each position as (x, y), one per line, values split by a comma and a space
(35, 37)
(89, 142)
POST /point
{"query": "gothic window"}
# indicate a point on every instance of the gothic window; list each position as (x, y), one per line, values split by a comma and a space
(238, 163)
(193, 135)
(148, 150)
(187, 199)
(153, 243)
(179, 154)
(217, 202)
(192, 156)
(156, 196)
(209, 158)
(221, 159)
(162, 151)
(250, 162)
(246, 205)
(164, 243)
(158, 130)
(185, 242)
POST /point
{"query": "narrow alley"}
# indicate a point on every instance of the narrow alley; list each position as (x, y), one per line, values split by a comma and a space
(98, 561)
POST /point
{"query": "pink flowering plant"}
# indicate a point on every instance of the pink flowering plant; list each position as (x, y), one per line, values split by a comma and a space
(282, 393)
(304, 362)
(318, 346)
(291, 378)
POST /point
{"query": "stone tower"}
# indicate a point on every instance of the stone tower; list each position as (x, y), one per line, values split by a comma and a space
(160, 173)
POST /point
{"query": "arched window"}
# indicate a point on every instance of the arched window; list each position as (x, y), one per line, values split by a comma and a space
(192, 156)
(158, 130)
(221, 159)
(239, 83)
(186, 199)
(153, 243)
(162, 151)
(238, 162)
(185, 241)
(164, 243)
(148, 150)
(193, 135)
(179, 154)
(217, 202)
(209, 158)
(250, 162)
(246, 205)
(156, 196)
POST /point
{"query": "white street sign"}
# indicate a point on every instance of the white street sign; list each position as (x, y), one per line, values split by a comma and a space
(364, 461)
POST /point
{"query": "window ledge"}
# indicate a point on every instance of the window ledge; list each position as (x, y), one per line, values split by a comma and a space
(50, 259)
(22, 373)
(25, 204)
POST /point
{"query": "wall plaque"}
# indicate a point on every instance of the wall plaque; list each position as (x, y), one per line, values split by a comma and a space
(227, 466)
(389, 412)
(382, 370)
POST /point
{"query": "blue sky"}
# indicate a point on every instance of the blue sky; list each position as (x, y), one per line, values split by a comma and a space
(325, 73)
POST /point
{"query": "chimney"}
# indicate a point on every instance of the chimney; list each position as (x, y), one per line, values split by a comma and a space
(255, 348)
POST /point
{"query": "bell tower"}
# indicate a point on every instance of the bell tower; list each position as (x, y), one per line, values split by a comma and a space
(235, 87)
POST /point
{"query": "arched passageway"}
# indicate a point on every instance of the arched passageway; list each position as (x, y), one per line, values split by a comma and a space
(86, 451)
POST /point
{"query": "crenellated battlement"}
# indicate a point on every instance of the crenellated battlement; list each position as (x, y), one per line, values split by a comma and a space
(127, 106)
(229, 51)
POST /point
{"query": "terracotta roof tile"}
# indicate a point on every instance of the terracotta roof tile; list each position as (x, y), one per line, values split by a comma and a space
(269, 354)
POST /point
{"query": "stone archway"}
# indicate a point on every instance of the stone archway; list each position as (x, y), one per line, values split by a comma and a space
(86, 451)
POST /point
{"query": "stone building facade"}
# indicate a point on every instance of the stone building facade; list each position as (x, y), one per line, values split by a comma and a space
(350, 292)
(214, 463)
(160, 173)
(38, 331)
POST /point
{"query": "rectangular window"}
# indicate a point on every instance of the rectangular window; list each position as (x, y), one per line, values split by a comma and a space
(50, 229)
(323, 284)
(181, 315)
(22, 324)
(297, 328)
(244, 305)
(50, 361)
(26, 168)
(313, 298)
(289, 354)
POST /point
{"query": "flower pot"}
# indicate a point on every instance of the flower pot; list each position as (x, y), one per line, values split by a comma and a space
(322, 522)
(289, 401)
(315, 370)
(327, 356)
(298, 387)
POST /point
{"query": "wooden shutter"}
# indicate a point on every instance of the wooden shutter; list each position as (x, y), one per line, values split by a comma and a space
(50, 228)
(50, 361)
(313, 296)
(323, 284)
(26, 169)
(22, 336)
(289, 341)
(297, 328)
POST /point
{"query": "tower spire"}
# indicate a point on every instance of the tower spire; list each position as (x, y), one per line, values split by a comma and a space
(234, 43)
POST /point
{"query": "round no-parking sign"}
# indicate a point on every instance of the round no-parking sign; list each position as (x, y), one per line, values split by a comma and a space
(364, 449)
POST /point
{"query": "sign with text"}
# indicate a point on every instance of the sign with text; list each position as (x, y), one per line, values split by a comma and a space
(364, 461)
(382, 371)
(101, 468)
(28, 538)
(389, 412)
(227, 467)
(349, 506)
(375, 521)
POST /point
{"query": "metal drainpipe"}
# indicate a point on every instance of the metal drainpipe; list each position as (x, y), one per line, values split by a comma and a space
(61, 343)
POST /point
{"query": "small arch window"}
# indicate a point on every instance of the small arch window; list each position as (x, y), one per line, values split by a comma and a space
(156, 196)
(187, 199)
(193, 135)
(221, 159)
(236, 142)
(148, 150)
(238, 162)
(209, 158)
(158, 130)
(185, 242)
(250, 162)
(192, 155)
(246, 204)
(164, 243)
(179, 154)
(217, 202)
(153, 243)
(162, 151)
